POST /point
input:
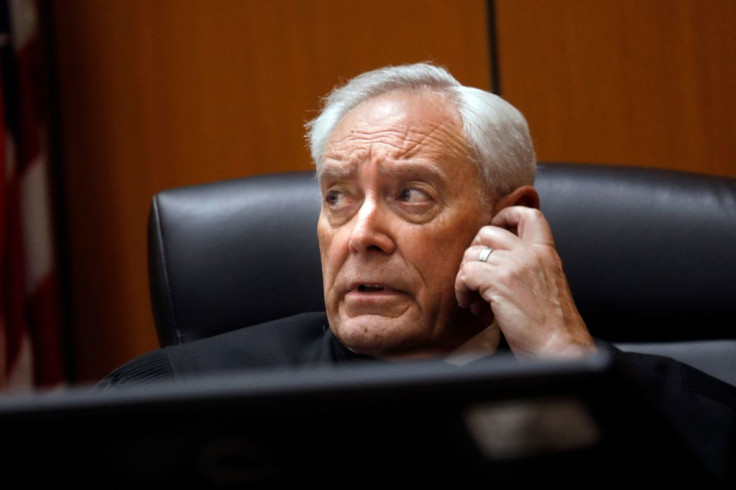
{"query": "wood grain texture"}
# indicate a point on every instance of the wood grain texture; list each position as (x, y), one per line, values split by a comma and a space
(639, 82)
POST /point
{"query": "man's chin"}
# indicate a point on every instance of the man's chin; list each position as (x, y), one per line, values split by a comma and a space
(378, 336)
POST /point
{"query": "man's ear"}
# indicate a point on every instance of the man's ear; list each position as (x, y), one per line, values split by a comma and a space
(525, 195)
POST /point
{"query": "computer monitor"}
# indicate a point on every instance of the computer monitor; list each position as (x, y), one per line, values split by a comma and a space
(499, 421)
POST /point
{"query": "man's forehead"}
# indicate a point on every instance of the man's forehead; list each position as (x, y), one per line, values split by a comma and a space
(413, 137)
(343, 170)
(391, 144)
(397, 119)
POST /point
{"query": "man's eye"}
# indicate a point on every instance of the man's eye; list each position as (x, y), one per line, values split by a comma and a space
(333, 197)
(413, 196)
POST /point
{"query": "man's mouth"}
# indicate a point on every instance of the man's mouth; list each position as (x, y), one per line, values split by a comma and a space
(374, 288)
(370, 288)
(374, 298)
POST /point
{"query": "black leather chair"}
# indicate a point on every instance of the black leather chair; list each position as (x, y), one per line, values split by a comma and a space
(650, 255)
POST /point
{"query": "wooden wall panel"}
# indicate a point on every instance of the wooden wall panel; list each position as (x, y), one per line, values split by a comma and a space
(155, 94)
(640, 82)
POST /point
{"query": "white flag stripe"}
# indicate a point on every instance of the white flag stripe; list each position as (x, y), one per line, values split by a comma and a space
(37, 225)
(24, 19)
(20, 376)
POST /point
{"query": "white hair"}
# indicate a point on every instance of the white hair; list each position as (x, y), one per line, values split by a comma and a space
(496, 132)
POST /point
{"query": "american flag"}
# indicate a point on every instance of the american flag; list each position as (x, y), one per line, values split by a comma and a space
(31, 347)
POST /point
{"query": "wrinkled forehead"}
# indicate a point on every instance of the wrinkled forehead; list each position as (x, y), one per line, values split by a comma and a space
(425, 171)
(410, 129)
(401, 108)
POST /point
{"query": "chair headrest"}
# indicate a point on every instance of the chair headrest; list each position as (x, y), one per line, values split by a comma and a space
(234, 253)
(649, 253)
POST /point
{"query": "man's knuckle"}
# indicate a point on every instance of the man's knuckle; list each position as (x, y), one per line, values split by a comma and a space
(505, 274)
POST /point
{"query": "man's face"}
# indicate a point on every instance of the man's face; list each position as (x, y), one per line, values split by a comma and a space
(401, 203)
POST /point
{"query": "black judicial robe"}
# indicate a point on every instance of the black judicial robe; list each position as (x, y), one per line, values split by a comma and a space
(300, 340)
(701, 406)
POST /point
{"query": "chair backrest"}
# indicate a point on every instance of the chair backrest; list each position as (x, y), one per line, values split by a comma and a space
(234, 253)
(650, 255)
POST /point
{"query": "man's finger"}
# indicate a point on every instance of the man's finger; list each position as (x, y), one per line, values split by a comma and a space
(471, 276)
(529, 223)
(495, 237)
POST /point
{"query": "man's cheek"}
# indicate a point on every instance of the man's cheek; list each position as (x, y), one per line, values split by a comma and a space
(335, 256)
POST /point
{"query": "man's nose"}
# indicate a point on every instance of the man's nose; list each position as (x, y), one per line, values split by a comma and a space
(371, 229)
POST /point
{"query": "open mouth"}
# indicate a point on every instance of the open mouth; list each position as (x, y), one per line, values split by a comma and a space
(369, 288)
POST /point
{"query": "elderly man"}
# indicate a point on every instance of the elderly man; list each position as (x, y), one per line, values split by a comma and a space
(429, 227)
(432, 246)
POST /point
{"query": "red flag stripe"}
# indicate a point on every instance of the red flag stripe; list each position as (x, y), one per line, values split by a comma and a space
(30, 318)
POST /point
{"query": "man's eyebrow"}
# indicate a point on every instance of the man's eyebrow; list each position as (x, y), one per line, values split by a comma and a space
(406, 170)
(414, 170)
(336, 172)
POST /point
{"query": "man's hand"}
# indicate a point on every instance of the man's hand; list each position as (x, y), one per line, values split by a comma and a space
(523, 283)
